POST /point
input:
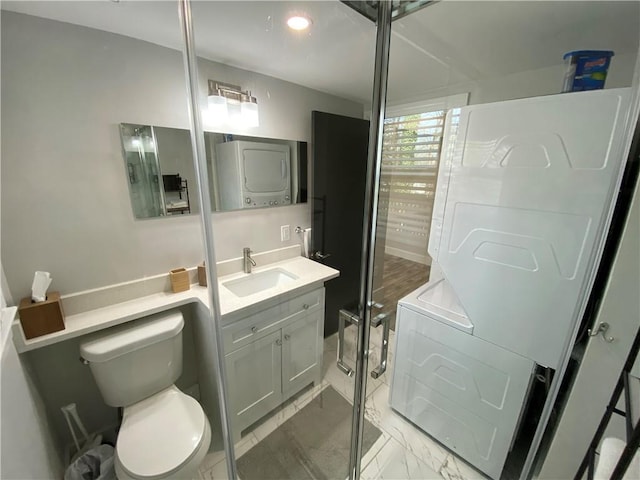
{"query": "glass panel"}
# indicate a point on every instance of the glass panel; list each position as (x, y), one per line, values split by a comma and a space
(489, 229)
(289, 403)
(72, 73)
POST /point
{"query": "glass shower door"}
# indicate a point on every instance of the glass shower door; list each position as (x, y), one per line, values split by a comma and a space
(143, 171)
(472, 373)
(289, 411)
(456, 396)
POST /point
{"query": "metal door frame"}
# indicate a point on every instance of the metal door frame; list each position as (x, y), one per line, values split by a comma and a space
(372, 191)
(200, 163)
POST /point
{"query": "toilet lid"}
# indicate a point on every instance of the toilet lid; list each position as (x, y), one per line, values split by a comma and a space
(160, 433)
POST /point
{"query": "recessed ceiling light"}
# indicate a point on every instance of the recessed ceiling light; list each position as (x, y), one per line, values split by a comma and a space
(298, 22)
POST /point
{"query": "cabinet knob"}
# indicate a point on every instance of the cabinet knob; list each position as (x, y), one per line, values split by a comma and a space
(254, 329)
(278, 342)
(287, 336)
(305, 306)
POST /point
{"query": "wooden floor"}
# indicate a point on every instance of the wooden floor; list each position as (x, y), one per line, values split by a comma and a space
(400, 277)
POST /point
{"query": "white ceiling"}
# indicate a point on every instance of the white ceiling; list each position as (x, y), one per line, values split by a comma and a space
(444, 44)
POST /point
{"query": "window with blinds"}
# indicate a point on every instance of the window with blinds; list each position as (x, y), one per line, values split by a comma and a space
(410, 157)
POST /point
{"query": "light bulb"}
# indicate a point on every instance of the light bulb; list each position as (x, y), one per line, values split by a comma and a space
(235, 114)
(249, 113)
(298, 22)
(218, 110)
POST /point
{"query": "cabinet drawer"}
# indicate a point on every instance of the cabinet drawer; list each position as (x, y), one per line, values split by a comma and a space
(253, 327)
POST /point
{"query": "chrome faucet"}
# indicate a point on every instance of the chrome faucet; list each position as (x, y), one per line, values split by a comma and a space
(248, 261)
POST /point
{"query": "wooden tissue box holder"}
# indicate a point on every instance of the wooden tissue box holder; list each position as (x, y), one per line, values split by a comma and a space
(179, 280)
(41, 318)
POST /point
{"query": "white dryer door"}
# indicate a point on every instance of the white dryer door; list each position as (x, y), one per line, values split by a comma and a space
(528, 186)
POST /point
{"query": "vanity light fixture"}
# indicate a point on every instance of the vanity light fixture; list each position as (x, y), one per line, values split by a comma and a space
(298, 22)
(230, 104)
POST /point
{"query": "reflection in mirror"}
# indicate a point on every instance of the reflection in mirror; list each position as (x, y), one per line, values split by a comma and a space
(244, 172)
(141, 160)
(251, 172)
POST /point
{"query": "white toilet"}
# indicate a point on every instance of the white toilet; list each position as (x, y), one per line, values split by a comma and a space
(164, 432)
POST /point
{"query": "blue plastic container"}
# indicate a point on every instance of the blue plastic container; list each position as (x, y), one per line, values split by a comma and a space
(586, 69)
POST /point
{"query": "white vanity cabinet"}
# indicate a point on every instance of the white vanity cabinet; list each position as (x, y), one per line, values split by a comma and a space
(273, 354)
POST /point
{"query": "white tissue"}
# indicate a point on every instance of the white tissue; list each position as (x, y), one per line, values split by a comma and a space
(41, 282)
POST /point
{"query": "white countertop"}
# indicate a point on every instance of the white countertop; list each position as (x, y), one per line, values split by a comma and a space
(309, 273)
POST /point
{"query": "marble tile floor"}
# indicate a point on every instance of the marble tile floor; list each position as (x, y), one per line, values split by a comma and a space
(401, 453)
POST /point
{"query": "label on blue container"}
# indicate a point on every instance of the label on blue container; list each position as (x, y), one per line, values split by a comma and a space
(587, 70)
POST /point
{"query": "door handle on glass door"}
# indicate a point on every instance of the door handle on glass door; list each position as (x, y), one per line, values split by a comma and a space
(345, 316)
(382, 319)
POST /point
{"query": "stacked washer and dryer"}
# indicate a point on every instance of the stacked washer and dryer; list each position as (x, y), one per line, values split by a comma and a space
(524, 192)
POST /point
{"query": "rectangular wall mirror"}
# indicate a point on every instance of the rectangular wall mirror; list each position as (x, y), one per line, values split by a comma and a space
(244, 171)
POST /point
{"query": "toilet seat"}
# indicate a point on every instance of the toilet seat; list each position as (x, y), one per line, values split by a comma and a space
(161, 434)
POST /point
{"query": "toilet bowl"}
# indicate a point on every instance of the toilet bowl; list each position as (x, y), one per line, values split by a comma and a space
(164, 434)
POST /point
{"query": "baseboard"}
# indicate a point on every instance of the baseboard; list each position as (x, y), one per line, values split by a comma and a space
(414, 257)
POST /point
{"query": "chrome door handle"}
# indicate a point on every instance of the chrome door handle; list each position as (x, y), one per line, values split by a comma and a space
(379, 319)
(344, 316)
(382, 319)
(348, 316)
(601, 328)
(321, 256)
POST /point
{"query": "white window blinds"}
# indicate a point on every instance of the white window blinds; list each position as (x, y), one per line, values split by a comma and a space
(410, 157)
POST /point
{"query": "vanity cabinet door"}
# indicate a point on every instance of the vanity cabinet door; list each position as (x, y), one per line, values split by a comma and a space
(302, 353)
(255, 382)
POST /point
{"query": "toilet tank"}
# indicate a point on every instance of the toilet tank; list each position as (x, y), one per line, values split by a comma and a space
(136, 360)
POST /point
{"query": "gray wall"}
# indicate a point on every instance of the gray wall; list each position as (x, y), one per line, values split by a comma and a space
(530, 83)
(27, 447)
(65, 203)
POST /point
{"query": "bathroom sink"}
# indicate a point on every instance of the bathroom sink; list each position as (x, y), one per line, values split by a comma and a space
(259, 281)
